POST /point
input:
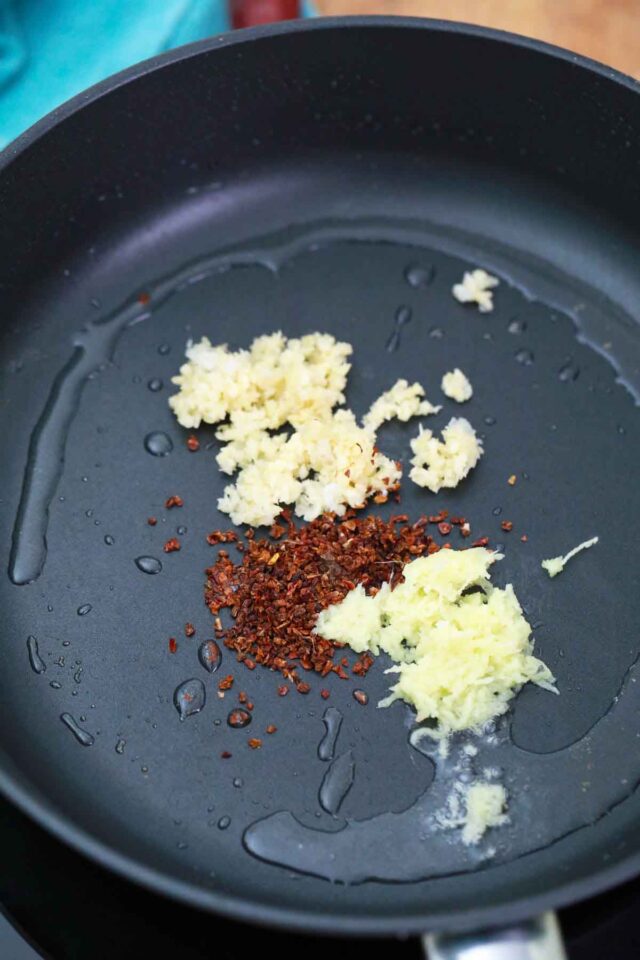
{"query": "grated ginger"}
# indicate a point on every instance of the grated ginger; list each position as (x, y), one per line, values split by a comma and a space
(456, 386)
(445, 463)
(556, 565)
(460, 656)
(326, 462)
(476, 287)
(401, 402)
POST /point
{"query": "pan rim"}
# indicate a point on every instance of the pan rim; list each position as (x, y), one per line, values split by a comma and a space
(62, 826)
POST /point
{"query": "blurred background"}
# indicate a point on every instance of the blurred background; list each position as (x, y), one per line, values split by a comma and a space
(52, 49)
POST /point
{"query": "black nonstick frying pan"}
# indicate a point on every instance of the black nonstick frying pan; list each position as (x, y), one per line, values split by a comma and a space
(336, 176)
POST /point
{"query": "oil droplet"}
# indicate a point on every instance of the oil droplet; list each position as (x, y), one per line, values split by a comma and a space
(148, 564)
(517, 325)
(210, 655)
(568, 373)
(109, 540)
(37, 663)
(189, 698)
(524, 357)
(419, 276)
(120, 745)
(224, 822)
(181, 845)
(84, 609)
(88, 513)
(239, 718)
(181, 531)
(337, 782)
(403, 316)
(621, 430)
(436, 333)
(55, 685)
(393, 342)
(155, 384)
(164, 349)
(496, 511)
(158, 444)
(332, 719)
(81, 735)
(490, 421)
(238, 782)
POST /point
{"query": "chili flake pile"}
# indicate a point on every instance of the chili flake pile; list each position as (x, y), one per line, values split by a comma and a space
(278, 588)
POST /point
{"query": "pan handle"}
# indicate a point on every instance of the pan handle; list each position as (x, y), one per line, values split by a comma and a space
(537, 939)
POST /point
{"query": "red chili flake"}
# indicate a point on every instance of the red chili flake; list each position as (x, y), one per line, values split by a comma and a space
(272, 728)
(524, 538)
(303, 687)
(361, 697)
(439, 517)
(152, 521)
(193, 443)
(283, 690)
(144, 298)
(222, 536)
(507, 525)
(173, 501)
(277, 530)
(173, 644)
(458, 521)
(249, 663)
(255, 743)
(445, 529)
(242, 697)
(481, 542)
(226, 683)
(189, 629)
(433, 548)
(171, 545)
(275, 591)
(324, 693)
(226, 755)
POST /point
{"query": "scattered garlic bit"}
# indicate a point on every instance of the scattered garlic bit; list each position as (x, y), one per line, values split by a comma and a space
(460, 656)
(401, 402)
(327, 462)
(456, 386)
(485, 807)
(556, 565)
(445, 463)
(476, 288)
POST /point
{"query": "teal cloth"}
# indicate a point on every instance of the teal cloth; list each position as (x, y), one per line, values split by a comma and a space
(53, 49)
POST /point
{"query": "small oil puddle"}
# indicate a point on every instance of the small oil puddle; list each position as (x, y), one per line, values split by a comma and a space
(332, 720)
(337, 782)
(82, 736)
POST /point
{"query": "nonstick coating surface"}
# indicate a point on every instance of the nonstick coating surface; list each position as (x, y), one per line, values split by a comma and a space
(345, 155)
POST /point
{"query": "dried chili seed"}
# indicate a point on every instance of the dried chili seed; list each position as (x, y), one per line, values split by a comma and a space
(152, 521)
(361, 697)
(507, 525)
(226, 755)
(242, 697)
(189, 629)
(171, 545)
(272, 728)
(255, 743)
(433, 548)
(173, 501)
(444, 528)
(303, 687)
(481, 542)
(173, 644)
(249, 704)
(458, 521)
(226, 683)
(283, 690)
(239, 718)
(439, 517)
(512, 480)
(193, 444)
(324, 693)
(465, 529)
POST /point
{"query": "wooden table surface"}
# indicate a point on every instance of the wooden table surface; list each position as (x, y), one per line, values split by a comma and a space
(607, 30)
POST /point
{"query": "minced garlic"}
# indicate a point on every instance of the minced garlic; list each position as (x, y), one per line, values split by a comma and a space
(326, 462)
(485, 808)
(460, 656)
(445, 463)
(476, 287)
(456, 386)
(556, 565)
(401, 402)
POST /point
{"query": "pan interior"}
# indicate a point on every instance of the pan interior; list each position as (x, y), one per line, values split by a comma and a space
(337, 245)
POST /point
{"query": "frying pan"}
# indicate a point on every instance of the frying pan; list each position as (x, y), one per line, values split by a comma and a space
(335, 176)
